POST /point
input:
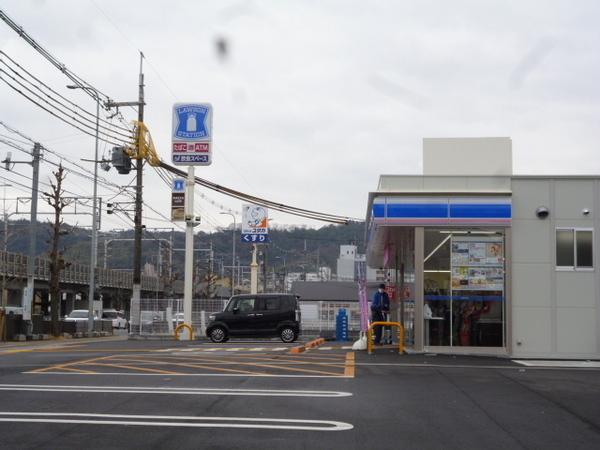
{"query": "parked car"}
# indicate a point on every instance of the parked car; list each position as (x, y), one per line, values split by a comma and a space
(177, 319)
(117, 317)
(149, 320)
(78, 315)
(257, 316)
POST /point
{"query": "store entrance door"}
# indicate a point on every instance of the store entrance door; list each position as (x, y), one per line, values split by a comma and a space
(464, 285)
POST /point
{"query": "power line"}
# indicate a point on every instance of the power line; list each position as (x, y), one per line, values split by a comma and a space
(91, 115)
(71, 114)
(324, 217)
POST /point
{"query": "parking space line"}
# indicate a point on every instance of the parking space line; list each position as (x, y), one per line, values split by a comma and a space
(175, 421)
(74, 363)
(173, 391)
(142, 369)
(195, 366)
(204, 358)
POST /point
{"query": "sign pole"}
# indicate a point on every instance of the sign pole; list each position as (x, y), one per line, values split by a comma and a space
(189, 253)
(254, 272)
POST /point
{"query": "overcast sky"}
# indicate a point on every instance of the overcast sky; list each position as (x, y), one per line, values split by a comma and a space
(313, 100)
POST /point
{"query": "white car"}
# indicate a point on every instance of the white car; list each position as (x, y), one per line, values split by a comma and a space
(118, 319)
(78, 315)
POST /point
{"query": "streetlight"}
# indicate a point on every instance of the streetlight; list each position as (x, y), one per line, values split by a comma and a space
(94, 255)
(233, 254)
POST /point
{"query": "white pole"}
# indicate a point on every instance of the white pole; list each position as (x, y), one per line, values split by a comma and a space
(254, 272)
(189, 252)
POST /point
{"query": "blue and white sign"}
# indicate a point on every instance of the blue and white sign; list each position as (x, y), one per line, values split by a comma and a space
(179, 185)
(255, 224)
(191, 139)
(192, 122)
(255, 238)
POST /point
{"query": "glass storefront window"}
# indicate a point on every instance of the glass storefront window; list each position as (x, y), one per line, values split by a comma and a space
(464, 288)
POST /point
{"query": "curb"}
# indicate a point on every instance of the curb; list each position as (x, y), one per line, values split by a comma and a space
(311, 344)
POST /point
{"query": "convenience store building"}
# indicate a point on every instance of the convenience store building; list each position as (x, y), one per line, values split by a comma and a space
(488, 262)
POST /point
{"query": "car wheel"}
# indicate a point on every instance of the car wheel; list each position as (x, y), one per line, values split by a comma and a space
(287, 334)
(218, 335)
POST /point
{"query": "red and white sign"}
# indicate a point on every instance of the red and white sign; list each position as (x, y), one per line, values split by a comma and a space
(191, 147)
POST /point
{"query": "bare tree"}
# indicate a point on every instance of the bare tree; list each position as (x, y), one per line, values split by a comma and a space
(57, 262)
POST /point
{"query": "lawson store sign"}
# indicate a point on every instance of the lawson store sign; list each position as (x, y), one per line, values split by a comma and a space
(442, 210)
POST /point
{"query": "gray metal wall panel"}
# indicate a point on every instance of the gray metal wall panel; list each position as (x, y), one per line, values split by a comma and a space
(575, 289)
(531, 284)
(530, 241)
(572, 196)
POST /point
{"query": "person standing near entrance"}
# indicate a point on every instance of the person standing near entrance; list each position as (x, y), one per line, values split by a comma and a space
(380, 308)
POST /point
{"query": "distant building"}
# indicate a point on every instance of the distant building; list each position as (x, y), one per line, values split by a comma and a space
(350, 263)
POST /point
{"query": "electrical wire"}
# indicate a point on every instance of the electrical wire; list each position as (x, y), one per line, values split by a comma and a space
(332, 218)
(92, 116)
(71, 114)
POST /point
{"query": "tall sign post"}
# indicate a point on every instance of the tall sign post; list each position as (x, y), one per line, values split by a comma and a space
(255, 230)
(191, 145)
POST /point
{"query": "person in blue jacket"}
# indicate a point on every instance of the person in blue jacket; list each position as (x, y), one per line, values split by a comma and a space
(380, 308)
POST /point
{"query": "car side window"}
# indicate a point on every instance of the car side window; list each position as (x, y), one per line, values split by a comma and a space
(245, 305)
(271, 304)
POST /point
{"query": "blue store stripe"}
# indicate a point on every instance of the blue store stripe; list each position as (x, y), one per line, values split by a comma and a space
(417, 210)
(481, 211)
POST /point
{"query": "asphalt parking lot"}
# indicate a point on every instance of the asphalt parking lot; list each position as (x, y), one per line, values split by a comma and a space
(116, 393)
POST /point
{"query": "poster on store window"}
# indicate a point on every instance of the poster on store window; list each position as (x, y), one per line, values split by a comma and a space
(468, 253)
(478, 278)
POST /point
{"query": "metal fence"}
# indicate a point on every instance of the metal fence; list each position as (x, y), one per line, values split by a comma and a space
(160, 317)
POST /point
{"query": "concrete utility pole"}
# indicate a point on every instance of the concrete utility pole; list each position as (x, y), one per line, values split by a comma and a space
(28, 293)
(4, 291)
(137, 253)
(233, 253)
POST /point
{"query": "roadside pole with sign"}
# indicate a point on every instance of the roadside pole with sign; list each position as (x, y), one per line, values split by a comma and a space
(255, 230)
(191, 145)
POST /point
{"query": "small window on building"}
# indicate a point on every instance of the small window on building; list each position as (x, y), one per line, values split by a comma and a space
(574, 248)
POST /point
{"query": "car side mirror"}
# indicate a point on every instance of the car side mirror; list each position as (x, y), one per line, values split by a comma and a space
(236, 310)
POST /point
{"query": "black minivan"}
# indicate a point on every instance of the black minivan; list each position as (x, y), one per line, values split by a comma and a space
(257, 315)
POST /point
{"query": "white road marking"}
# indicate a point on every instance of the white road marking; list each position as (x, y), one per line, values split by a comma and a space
(258, 375)
(172, 421)
(347, 347)
(325, 348)
(172, 391)
(257, 349)
(557, 363)
(233, 349)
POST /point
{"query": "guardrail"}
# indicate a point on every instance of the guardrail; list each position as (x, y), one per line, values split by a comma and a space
(15, 265)
(371, 337)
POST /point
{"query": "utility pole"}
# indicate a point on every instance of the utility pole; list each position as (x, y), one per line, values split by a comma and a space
(28, 293)
(264, 269)
(4, 291)
(137, 253)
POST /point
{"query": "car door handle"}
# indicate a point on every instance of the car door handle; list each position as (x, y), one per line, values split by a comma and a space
(258, 315)
(251, 315)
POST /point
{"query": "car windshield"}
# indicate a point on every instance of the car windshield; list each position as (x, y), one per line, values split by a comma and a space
(78, 315)
(110, 314)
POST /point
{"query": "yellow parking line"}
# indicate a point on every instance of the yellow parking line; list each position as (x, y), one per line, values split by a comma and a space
(206, 358)
(195, 366)
(141, 369)
(70, 369)
(350, 367)
(62, 366)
